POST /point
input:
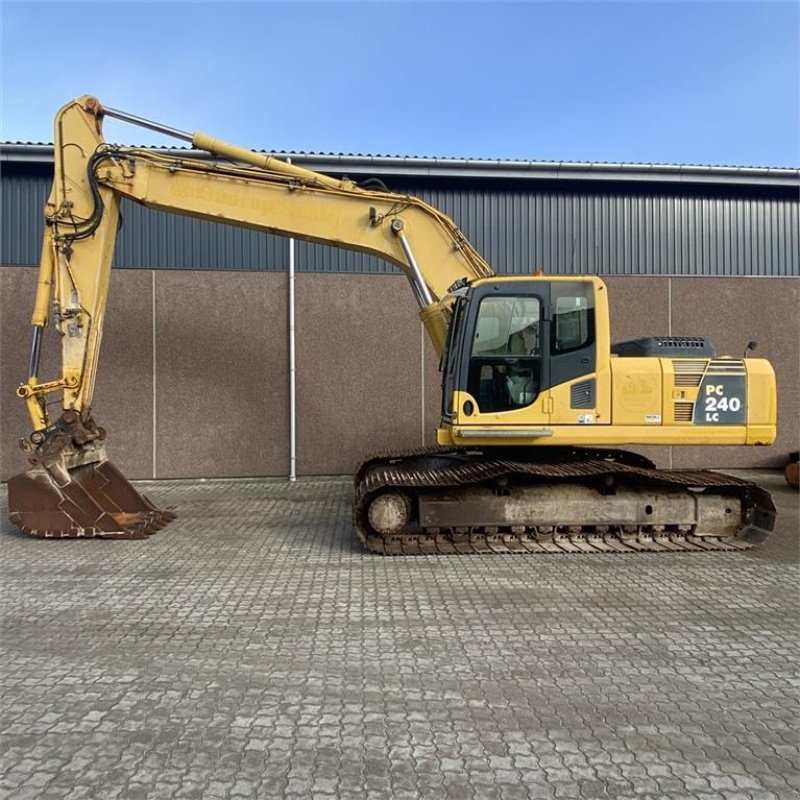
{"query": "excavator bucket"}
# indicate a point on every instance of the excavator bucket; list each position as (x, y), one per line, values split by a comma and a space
(86, 501)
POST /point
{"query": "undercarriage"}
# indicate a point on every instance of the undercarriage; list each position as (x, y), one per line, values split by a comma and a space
(558, 501)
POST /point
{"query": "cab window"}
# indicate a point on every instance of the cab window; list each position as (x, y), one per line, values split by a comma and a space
(573, 317)
(505, 362)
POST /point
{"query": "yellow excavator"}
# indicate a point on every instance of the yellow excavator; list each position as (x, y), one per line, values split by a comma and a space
(535, 399)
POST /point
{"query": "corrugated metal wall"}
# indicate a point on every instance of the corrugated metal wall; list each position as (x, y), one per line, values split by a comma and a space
(604, 228)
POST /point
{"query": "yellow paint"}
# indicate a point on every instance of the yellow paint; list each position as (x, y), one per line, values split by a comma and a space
(762, 401)
(613, 435)
(636, 389)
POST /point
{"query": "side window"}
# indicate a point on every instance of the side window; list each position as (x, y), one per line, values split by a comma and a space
(573, 317)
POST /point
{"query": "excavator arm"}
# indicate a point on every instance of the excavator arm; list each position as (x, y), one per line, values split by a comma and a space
(239, 187)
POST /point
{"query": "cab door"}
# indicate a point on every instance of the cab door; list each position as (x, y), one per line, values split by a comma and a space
(503, 368)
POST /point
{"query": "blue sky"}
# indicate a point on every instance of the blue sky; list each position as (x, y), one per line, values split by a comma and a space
(684, 82)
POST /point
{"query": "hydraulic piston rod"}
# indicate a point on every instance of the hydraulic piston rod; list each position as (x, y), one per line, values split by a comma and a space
(418, 284)
(146, 123)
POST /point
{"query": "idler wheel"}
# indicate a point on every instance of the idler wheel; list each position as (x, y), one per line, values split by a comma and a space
(389, 513)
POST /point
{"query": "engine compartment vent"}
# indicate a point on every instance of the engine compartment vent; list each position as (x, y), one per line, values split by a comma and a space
(689, 373)
(581, 395)
(684, 412)
(665, 346)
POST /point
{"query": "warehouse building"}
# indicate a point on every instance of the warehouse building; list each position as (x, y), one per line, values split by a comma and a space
(195, 372)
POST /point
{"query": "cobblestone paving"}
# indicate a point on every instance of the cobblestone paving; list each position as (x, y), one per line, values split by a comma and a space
(252, 650)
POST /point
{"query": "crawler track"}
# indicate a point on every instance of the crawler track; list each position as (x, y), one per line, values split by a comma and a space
(454, 479)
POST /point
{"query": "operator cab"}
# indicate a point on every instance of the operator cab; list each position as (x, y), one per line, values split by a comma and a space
(510, 339)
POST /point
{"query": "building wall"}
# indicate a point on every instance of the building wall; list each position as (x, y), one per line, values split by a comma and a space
(603, 227)
(193, 378)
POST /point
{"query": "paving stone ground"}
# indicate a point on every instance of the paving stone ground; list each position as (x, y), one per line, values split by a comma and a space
(251, 649)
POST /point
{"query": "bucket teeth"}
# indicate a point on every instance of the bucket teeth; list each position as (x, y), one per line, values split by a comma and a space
(95, 501)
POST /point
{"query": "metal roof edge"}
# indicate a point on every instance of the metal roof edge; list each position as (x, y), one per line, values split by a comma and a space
(416, 166)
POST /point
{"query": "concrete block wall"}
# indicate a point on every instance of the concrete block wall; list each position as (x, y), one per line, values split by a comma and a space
(193, 379)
